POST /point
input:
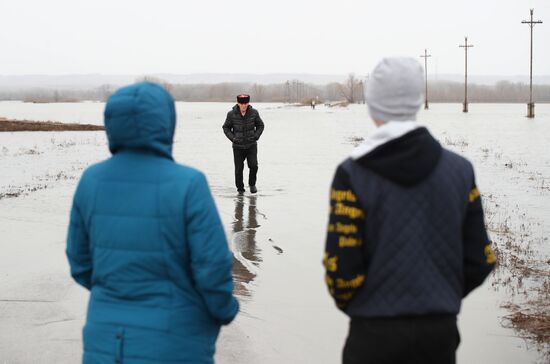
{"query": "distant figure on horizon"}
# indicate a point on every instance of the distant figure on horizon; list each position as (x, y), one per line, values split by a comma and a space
(243, 127)
(146, 240)
(313, 104)
(406, 238)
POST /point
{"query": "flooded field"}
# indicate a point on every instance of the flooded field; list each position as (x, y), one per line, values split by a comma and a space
(277, 236)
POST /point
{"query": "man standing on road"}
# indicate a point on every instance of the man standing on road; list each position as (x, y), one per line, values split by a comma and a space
(243, 126)
(406, 238)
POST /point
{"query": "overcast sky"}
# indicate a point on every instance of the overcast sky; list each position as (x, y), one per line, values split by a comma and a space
(282, 36)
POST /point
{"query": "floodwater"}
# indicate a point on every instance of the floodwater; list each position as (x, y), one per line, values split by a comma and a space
(277, 235)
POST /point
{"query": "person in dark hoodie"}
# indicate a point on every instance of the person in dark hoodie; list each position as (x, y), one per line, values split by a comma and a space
(406, 238)
(243, 127)
(146, 240)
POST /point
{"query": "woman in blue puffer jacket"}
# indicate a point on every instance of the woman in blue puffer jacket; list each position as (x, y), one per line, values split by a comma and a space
(146, 239)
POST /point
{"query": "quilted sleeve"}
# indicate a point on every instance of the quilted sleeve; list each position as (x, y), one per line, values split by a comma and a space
(211, 259)
(343, 259)
(479, 258)
(259, 126)
(228, 128)
(78, 246)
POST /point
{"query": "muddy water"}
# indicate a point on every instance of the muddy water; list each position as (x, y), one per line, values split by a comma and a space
(276, 235)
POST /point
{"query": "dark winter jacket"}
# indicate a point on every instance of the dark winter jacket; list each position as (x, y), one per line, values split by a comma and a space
(245, 130)
(406, 234)
(145, 238)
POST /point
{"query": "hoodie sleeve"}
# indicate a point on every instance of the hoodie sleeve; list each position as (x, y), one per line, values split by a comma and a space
(479, 258)
(78, 247)
(343, 259)
(211, 259)
(259, 124)
(228, 127)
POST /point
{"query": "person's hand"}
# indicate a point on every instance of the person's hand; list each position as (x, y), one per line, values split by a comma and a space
(237, 140)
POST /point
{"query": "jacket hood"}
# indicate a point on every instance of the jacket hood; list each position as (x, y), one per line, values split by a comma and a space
(141, 117)
(406, 160)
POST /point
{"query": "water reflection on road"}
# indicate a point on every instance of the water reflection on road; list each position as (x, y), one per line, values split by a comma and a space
(247, 254)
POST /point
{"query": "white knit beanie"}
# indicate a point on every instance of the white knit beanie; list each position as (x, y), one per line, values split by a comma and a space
(395, 89)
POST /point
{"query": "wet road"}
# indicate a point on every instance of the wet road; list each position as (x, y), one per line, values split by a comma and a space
(277, 235)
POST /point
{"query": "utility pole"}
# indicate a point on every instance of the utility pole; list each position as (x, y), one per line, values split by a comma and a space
(288, 91)
(531, 104)
(425, 56)
(465, 46)
(362, 88)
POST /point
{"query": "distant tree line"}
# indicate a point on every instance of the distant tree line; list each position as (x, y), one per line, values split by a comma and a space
(292, 91)
(44, 95)
(501, 92)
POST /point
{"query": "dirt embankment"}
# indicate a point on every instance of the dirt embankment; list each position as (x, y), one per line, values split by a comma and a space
(27, 125)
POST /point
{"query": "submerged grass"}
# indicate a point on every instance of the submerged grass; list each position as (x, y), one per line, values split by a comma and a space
(523, 273)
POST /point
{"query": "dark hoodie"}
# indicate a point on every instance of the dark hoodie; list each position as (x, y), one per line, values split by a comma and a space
(406, 233)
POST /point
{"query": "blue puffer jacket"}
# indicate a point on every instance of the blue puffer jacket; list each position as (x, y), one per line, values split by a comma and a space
(146, 239)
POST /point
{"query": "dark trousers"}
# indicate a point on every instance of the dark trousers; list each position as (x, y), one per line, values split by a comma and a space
(408, 340)
(251, 156)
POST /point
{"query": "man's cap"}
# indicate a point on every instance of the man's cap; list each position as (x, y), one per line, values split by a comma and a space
(395, 89)
(243, 99)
